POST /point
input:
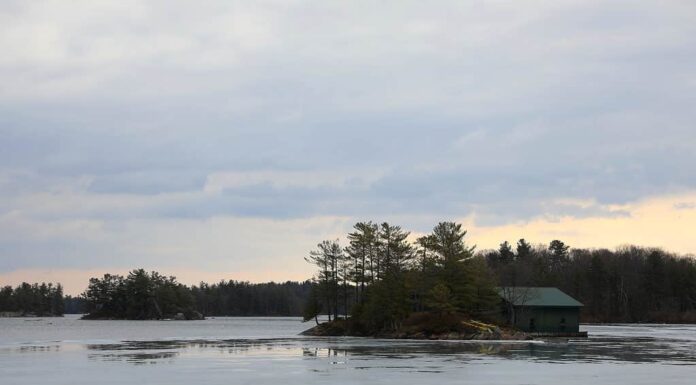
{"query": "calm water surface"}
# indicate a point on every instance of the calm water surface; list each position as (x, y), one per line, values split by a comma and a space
(269, 351)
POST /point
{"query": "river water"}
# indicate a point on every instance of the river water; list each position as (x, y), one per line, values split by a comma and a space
(269, 351)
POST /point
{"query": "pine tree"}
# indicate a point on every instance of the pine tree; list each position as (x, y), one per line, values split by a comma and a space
(396, 253)
(524, 250)
(441, 300)
(559, 254)
(328, 257)
(452, 253)
(506, 254)
(360, 251)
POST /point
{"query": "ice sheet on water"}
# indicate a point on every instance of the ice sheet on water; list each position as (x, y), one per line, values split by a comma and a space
(269, 351)
(655, 331)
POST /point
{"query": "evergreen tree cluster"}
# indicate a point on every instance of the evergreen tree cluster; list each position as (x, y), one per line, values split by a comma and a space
(143, 295)
(381, 278)
(32, 300)
(140, 295)
(630, 284)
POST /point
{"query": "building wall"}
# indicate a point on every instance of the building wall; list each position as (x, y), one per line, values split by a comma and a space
(548, 319)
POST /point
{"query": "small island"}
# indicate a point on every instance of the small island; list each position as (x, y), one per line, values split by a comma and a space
(381, 285)
(143, 295)
(543, 312)
(139, 296)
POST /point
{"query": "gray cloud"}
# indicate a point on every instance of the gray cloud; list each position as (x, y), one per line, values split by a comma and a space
(123, 112)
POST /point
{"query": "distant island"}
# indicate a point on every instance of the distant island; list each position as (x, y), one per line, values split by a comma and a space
(384, 282)
(142, 296)
(32, 300)
(139, 296)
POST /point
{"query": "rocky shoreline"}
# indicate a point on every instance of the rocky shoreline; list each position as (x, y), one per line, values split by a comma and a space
(470, 330)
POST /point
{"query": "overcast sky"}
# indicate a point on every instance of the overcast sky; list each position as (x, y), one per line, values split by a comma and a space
(225, 139)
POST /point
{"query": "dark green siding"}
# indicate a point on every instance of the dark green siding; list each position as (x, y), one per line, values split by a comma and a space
(547, 319)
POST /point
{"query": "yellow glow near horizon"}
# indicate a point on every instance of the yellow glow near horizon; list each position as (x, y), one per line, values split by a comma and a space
(668, 222)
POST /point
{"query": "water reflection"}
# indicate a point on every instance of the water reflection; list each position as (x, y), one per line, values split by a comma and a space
(338, 351)
(39, 348)
(136, 358)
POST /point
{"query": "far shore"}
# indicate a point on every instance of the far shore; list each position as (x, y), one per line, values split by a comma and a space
(16, 314)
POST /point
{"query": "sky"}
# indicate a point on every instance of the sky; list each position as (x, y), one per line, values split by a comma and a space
(223, 140)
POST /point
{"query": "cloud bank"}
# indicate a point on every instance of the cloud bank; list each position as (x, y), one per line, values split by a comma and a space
(232, 136)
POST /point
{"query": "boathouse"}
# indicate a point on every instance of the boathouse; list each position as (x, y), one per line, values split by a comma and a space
(545, 310)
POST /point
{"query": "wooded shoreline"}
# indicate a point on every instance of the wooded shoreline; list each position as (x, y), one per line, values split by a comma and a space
(383, 276)
(384, 270)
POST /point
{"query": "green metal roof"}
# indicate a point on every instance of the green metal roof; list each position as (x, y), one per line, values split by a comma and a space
(537, 296)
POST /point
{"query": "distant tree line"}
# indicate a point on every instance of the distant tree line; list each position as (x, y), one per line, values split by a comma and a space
(630, 284)
(32, 300)
(151, 295)
(380, 277)
(75, 304)
(236, 298)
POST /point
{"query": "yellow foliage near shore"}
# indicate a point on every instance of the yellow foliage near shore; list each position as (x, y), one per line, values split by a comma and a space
(481, 326)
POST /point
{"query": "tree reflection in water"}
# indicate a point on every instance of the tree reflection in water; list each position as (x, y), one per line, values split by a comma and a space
(337, 350)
